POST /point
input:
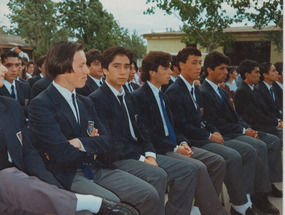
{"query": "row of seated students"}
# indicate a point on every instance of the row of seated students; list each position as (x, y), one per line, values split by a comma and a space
(128, 147)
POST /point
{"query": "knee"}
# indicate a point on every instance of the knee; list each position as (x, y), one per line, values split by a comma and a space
(159, 175)
(151, 196)
(220, 163)
(234, 158)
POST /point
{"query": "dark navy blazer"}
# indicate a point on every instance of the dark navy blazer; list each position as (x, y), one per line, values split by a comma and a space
(188, 119)
(152, 119)
(111, 114)
(52, 124)
(14, 137)
(221, 114)
(23, 93)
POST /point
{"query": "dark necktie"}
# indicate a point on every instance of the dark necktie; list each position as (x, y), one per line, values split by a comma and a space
(100, 82)
(193, 98)
(221, 94)
(272, 94)
(124, 111)
(86, 170)
(13, 95)
(172, 136)
(74, 104)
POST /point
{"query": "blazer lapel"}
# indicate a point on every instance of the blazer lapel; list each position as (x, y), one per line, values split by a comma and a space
(63, 106)
(4, 91)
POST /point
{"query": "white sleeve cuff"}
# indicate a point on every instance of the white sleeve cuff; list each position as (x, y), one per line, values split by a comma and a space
(243, 131)
(175, 149)
(151, 154)
(82, 147)
(142, 158)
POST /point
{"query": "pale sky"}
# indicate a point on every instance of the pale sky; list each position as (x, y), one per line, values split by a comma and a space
(129, 14)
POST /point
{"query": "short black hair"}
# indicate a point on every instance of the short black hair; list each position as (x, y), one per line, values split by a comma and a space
(214, 59)
(152, 61)
(110, 53)
(60, 57)
(93, 55)
(39, 63)
(183, 55)
(279, 67)
(246, 66)
(264, 69)
(8, 54)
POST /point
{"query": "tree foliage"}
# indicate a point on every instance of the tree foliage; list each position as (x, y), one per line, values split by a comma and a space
(44, 22)
(37, 23)
(203, 20)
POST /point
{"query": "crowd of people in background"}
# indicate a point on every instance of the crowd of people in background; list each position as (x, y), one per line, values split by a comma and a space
(103, 136)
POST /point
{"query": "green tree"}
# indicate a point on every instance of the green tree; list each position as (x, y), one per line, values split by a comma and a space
(90, 23)
(203, 20)
(136, 45)
(37, 23)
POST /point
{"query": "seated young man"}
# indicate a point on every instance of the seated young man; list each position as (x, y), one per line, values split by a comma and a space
(94, 80)
(19, 90)
(250, 105)
(65, 128)
(132, 148)
(220, 113)
(19, 160)
(158, 120)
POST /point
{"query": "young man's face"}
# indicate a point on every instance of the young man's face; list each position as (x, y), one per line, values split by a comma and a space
(3, 72)
(161, 76)
(12, 64)
(96, 69)
(191, 68)
(253, 77)
(132, 72)
(272, 75)
(30, 68)
(118, 71)
(218, 75)
(78, 77)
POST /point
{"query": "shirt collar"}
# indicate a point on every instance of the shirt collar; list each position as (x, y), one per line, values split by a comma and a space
(95, 80)
(188, 85)
(280, 85)
(41, 75)
(251, 87)
(267, 85)
(172, 78)
(153, 88)
(213, 85)
(8, 85)
(115, 91)
(64, 92)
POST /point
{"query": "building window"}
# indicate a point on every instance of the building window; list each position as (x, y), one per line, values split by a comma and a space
(253, 50)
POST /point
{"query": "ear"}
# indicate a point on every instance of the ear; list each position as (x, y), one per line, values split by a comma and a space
(181, 65)
(105, 71)
(209, 70)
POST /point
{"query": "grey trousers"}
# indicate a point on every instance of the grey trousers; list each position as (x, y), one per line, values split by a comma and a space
(269, 163)
(117, 185)
(181, 176)
(25, 195)
(211, 175)
(240, 160)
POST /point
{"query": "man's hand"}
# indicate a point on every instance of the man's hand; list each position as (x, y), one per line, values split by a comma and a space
(185, 150)
(217, 138)
(281, 124)
(75, 142)
(150, 160)
(251, 133)
(95, 133)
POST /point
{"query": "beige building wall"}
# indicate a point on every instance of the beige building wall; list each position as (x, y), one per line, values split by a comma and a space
(170, 45)
(275, 56)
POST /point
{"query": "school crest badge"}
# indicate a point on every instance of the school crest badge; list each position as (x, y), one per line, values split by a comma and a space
(20, 137)
(90, 128)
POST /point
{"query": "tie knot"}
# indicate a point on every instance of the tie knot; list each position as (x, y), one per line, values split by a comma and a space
(12, 87)
(73, 96)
